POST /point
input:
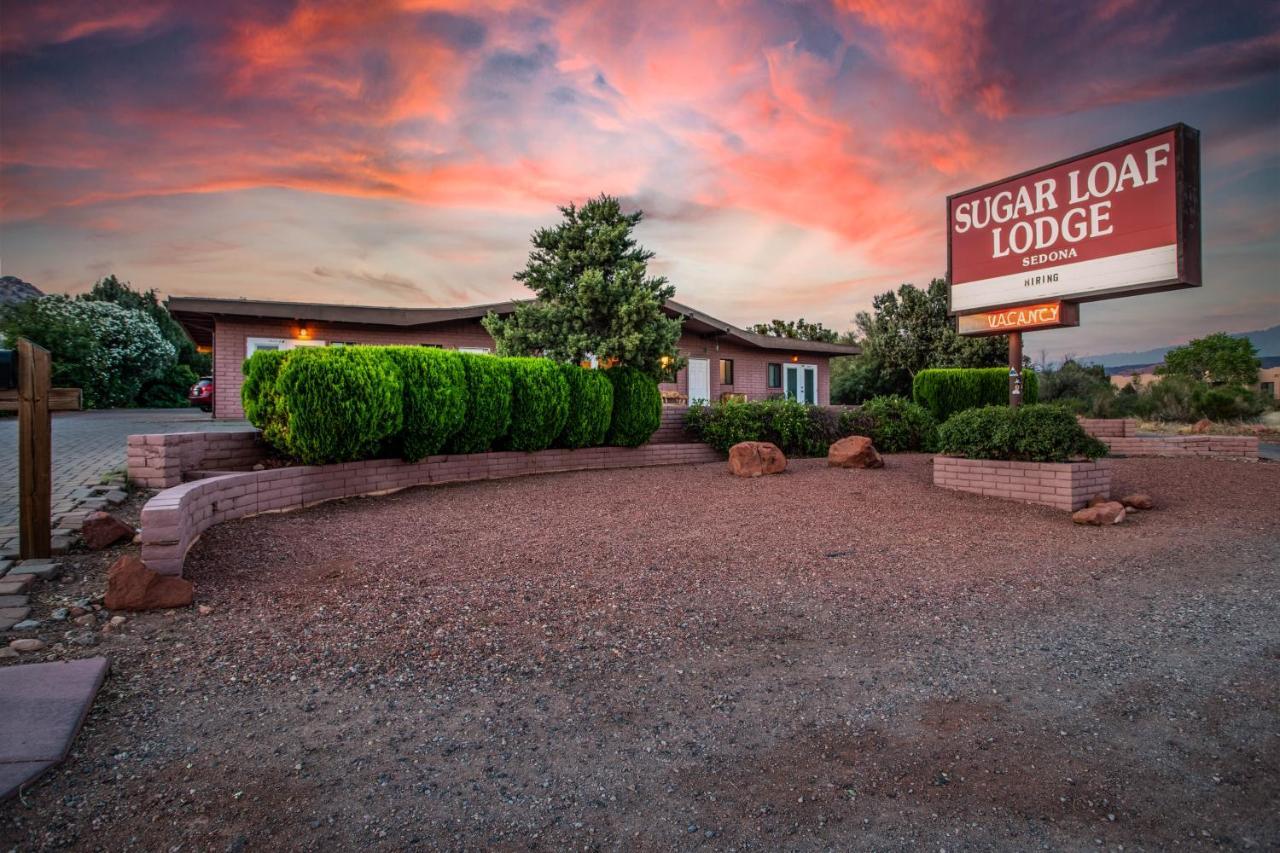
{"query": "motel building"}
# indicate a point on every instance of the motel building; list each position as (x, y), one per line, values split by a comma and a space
(723, 361)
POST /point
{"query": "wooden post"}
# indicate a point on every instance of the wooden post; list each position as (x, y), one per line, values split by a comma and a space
(1015, 369)
(35, 454)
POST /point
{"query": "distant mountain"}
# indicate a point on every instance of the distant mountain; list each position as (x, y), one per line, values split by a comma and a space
(14, 290)
(1265, 341)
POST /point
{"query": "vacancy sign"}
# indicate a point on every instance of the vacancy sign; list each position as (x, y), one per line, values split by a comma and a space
(1121, 220)
(1026, 318)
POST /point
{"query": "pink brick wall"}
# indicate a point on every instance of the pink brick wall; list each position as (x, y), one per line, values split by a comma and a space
(672, 429)
(160, 461)
(749, 373)
(1211, 446)
(1061, 485)
(175, 518)
(1109, 427)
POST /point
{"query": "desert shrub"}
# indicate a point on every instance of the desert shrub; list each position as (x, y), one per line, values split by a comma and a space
(539, 403)
(1034, 433)
(894, 424)
(342, 403)
(261, 398)
(1226, 402)
(435, 399)
(945, 391)
(637, 407)
(590, 407)
(488, 384)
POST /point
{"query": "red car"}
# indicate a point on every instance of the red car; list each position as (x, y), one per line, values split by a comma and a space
(201, 394)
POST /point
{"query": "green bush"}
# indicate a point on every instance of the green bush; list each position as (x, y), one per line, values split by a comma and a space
(1226, 402)
(590, 407)
(488, 404)
(539, 403)
(945, 391)
(894, 424)
(1034, 433)
(343, 403)
(261, 398)
(637, 407)
(797, 429)
(435, 398)
(169, 390)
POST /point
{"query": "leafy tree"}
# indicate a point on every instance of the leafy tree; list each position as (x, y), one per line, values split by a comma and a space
(1075, 382)
(111, 289)
(107, 351)
(800, 329)
(1218, 359)
(857, 378)
(594, 295)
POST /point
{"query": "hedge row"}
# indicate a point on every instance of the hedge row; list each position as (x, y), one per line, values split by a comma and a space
(340, 404)
(894, 425)
(945, 391)
(1035, 433)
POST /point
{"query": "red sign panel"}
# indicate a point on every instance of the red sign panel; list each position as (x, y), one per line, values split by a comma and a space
(1115, 221)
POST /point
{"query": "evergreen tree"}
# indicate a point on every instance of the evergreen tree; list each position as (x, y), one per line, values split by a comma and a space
(594, 295)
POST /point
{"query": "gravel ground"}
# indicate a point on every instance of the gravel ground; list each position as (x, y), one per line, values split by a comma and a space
(673, 658)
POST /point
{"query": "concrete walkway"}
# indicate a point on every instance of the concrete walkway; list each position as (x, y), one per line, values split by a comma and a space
(87, 446)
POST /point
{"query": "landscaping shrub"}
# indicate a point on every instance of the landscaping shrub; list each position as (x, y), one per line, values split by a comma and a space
(343, 403)
(590, 407)
(945, 391)
(169, 390)
(1226, 402)
(797, 429)
(488, 387)
(1034, 433)
(637, 407)
(539, 403)
(434, 385)
(894, 424)
(261, 398)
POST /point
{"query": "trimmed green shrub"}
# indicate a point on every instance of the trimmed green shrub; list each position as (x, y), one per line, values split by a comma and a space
(797, 429)
(894, 424)
(1035, 433)
(488, 415)
(169, 390)
(590, 407)
(343, 403)
(261, 398)
(637, 407)
(539, 403)
(945, 391)
(435, 398)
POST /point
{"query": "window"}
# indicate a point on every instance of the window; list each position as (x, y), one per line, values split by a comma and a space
(726, 371)
(252, 345)
(477, 350)
(432, 346)
(1268, 389)
(773, 375)
(344, 343)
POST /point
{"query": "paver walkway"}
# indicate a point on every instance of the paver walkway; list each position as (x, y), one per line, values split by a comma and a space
(87, 445)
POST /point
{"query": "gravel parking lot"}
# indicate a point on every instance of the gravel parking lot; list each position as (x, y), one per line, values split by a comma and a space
(673, 658)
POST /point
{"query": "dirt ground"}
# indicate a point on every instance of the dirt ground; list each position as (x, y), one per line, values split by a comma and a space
(673, 658)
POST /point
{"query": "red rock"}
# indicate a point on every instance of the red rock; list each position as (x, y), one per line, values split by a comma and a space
(1102, 515)
(1099, 499)
(101, 529)
(132, 586)
(1138, 501)
(1202, 426)
(756, 458)
(855, 451)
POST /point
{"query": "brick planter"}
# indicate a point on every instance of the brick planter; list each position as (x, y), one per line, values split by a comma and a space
(1061, 485)
(174, 519)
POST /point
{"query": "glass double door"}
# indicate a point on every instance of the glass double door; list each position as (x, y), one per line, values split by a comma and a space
(800, 382)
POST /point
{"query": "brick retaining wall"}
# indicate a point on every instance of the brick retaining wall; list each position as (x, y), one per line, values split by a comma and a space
(1061, 485)
(160, 461)
(1217, 446)
(1109, 427)
(671, 431)
(174, 519)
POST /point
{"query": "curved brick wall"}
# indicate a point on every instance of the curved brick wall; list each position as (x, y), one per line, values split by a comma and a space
(174, 519)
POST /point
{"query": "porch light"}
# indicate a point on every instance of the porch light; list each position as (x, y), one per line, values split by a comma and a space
(304, 331)
(794, 359)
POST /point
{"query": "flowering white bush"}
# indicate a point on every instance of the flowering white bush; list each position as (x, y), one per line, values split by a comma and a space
(107, 351)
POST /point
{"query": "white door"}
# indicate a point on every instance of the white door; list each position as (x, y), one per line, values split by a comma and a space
(800, 382)
(699, 372)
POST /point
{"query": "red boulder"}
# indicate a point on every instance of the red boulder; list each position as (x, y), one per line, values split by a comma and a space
(101, 529)
(1101, 515)
(1138, 501)
(755, 459)
(855, 451)
(132, 586)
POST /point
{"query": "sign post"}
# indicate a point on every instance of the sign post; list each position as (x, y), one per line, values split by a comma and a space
(1023, 252)
(34, 400)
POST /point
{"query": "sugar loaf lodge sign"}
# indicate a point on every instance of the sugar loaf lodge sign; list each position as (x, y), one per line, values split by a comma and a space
(1023, 252)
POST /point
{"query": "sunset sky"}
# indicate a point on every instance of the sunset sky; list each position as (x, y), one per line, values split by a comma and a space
(792, 159)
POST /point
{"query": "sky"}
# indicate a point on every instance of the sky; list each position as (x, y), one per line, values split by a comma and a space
(791, 158)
